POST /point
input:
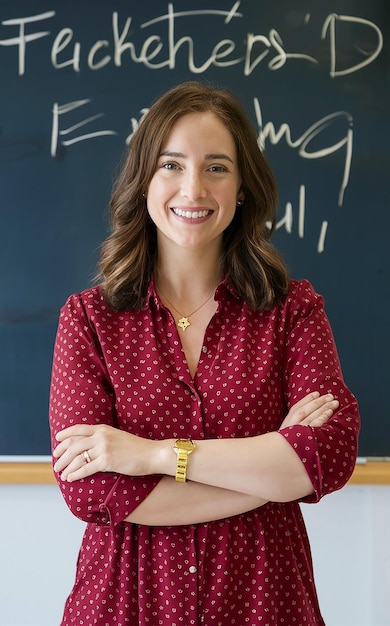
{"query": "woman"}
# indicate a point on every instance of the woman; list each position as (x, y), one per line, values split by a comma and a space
(171, 382)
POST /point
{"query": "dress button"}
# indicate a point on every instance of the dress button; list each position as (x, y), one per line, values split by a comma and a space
(192, 569)
(204, 349)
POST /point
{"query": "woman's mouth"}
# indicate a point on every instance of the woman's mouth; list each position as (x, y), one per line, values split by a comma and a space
(193, 215)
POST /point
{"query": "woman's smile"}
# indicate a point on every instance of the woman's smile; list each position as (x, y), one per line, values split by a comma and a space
(192, 214)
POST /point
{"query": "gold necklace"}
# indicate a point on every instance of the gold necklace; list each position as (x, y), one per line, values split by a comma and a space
(184, 322)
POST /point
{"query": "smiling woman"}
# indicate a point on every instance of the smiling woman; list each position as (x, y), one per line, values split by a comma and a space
(195, 185)
(196, 395)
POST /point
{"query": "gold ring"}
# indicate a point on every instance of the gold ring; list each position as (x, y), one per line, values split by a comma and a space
(86, 457)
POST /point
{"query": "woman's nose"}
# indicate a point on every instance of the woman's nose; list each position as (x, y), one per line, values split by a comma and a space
(193, 186)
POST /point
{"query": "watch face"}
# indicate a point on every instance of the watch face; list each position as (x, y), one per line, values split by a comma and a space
(185, 444)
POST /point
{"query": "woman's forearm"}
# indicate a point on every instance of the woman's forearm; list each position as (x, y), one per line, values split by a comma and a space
(172, 503)
(226, 478)
(265, 467)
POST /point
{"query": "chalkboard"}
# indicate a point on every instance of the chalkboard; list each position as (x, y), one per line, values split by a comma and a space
(76, 78)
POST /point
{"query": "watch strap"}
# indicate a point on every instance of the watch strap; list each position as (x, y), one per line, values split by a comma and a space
(181, 466)
(183, 448)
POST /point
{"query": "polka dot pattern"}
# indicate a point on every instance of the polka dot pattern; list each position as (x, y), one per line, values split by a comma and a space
(127, 369)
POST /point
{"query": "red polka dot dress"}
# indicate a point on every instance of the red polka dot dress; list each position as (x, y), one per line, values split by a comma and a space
(128, 369)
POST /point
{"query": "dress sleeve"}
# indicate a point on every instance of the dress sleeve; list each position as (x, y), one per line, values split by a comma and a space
(81, 393)
(312, 364)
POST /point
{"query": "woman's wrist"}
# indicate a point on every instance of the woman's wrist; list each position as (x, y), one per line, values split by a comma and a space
(163, 458)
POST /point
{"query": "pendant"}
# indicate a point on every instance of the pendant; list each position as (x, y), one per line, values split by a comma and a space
(183, 323)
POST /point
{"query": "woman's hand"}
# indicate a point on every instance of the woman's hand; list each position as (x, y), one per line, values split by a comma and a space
(109, 450)
(313, 410)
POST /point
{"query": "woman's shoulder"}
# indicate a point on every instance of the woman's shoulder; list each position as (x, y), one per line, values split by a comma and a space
(89, 303)
(301, 290)
(301, 300)
(87, 298)
(92, 304)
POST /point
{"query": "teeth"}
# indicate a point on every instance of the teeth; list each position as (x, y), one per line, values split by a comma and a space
(191, 214)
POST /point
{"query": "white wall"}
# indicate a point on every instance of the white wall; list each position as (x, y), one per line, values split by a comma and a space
(349, 530)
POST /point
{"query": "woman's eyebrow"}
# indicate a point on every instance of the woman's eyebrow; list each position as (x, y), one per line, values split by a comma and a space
(168, 153)
(208, 157)
(217, 155)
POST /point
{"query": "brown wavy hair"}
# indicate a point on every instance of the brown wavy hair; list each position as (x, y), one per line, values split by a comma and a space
(249, 260)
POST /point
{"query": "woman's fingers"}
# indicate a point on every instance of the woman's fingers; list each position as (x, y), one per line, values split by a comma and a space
(74, 452)
(78, 430)
(322, 418)
(79, 468)
(307, 400)
(73, 457)
(313, 410)
(319, 416)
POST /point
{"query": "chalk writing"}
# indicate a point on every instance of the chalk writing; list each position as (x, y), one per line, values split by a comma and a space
(268, 131)
(330, 24)
(287, 220)
(22, 39)
(59, 110)
(161, 50)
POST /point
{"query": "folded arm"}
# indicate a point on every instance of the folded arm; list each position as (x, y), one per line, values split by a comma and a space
(226, 476)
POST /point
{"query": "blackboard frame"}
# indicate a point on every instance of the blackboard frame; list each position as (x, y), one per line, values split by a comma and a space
(372, 472)
(26, 137)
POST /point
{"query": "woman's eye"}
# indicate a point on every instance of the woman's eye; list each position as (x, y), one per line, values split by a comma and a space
(169, 166)
(217, 168)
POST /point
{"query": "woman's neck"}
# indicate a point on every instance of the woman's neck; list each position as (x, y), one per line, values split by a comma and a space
(187, 277)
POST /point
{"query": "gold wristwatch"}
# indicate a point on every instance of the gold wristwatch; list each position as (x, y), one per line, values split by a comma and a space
(183, 448)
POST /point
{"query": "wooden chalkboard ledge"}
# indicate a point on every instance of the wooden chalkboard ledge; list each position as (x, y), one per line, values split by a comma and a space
(369, 473)
(26, 473)
(372, 472)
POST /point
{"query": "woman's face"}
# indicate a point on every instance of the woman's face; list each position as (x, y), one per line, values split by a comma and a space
(193, 193)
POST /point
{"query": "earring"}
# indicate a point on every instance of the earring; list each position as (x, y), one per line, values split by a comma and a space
(239, 202)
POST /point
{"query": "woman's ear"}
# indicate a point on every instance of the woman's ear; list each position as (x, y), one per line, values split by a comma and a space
(240, 198)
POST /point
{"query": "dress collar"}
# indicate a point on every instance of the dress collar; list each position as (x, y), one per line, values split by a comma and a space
(224, 288)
